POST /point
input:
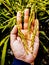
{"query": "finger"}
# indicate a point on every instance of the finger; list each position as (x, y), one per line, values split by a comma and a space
(26, 16)
(13, 34)
(36, 47)
(37, 23)
(19, 19)
(36, 43)
(37, 37)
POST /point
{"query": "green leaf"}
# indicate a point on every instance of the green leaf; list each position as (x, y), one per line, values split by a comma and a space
(43, 33)
(44, 47)
(10, 9)
(47, 12)
(1, 1)
(3, 40)
(4, 52)
(7, 1)
(31, 1)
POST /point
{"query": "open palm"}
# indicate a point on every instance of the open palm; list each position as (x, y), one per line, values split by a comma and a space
(17, 44)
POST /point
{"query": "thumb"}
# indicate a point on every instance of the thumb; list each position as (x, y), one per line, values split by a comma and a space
(13, 34)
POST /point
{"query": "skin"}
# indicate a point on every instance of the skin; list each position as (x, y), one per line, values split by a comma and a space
(16, 42)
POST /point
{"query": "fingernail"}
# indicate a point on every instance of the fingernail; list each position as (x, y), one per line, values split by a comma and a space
(19, 14)
(26, 12)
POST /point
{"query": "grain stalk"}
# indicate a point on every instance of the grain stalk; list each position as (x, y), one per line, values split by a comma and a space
(34, 32)
(31, 18)
(24, 41)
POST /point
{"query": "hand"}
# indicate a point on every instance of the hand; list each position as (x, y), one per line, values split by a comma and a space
(16, 42)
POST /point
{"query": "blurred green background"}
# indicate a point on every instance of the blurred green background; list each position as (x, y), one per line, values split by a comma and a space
(8, 11)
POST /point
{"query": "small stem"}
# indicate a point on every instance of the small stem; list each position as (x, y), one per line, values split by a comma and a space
(31, 18)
